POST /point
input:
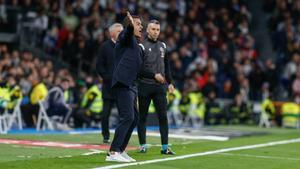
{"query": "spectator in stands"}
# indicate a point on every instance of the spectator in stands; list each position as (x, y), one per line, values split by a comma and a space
(213, 113)
(228, 91)
(15, 92)
(296, 86)
(70, 20)
(210, 40)
(55, 103)
(38, 93)
(91, 104)
(237, 111)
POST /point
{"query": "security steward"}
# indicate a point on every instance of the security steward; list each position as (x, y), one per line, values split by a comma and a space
(155, 79)
(91, 105)
(15, 93)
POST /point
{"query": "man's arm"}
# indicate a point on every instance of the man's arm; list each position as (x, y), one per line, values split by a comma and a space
(158, 77)
(124, 37)
(168, 74)
(101, 66)
(168, 70)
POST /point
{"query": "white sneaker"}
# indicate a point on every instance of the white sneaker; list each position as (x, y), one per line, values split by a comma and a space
(116, 157)
(126, 156)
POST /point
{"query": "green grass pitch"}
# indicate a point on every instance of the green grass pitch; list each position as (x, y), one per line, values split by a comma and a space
(284, 156)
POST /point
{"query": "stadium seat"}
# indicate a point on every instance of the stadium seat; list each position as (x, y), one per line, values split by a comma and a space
(3, 125)
(43, 122)
(14, 117)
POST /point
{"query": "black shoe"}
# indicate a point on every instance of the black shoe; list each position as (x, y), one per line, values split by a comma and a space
(106, 141)
(143, 149)
(168, 151)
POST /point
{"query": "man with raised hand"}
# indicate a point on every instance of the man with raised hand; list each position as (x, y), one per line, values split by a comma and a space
(128, 61)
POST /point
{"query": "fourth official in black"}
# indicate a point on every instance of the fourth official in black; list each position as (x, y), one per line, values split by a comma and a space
(154, 81)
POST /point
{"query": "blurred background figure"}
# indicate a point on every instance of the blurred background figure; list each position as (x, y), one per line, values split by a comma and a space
(55, 104)
(91, 105)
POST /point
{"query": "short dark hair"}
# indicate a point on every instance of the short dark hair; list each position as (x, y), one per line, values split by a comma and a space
(154, 21)
(126, 21)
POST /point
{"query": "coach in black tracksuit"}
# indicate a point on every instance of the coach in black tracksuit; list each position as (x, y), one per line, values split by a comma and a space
(104, 67)
(154, 81)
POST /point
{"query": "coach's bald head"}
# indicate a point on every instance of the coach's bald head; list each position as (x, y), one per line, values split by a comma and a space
(114, 31)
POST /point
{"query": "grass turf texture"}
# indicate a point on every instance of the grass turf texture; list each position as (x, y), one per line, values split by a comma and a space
(276, 157)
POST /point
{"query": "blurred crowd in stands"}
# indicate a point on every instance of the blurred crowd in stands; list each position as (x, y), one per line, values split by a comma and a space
(284, 28)
(209, 43)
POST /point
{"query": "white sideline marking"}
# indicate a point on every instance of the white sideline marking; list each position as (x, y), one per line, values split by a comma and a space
(24, 156)
(182, 136)
(258, 156)
(84, 132)
(191, 137)
(93, 152)
(203, 153)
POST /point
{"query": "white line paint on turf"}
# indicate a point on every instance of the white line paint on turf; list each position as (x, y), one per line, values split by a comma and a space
(191, 137)
(24, 156)
(84, 132)
(259, 156)
(203, 153)
(156, 134)
(93, 152)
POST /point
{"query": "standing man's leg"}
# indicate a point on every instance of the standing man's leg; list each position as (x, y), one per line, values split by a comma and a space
(125, 104)
(133, 125)
(144, 103)
(160, 103)
(107, 105)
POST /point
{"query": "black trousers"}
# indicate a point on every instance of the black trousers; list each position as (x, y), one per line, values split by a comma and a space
(59, 110)
(30, 114)
(80, 118)
(157, 93)
(126, 100)
(107, 106)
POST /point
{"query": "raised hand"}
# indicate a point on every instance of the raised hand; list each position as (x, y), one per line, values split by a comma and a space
(130, 17)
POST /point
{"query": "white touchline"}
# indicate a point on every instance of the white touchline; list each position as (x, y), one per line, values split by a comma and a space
(259, 156)
(203, 153)
(24, 156)
(93, 152)
(155, 134)
(213, 138)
